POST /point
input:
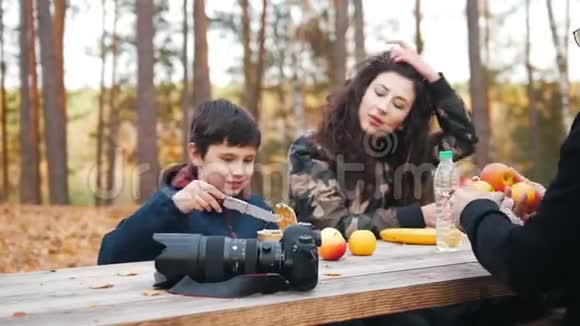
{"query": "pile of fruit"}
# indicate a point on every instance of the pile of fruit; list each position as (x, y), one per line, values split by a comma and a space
(500, 177)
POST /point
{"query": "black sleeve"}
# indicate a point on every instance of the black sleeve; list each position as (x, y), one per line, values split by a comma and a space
(538, 256)
(457, 132)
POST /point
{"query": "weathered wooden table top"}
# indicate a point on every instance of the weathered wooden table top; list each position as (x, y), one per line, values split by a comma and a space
(395, 278)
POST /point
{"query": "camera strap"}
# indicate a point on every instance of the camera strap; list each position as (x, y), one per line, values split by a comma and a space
(235, 287)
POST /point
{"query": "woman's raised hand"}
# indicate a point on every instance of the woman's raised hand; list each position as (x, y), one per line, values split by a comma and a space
(401, 52)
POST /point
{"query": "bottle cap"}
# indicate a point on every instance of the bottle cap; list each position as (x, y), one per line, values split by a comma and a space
(445, 155)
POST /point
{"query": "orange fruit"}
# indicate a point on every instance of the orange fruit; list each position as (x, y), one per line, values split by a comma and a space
(362, 243)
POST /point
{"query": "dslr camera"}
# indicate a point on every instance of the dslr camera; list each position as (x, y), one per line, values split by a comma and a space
(208, 259)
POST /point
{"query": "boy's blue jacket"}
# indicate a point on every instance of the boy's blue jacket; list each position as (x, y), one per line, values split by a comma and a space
(132, 240)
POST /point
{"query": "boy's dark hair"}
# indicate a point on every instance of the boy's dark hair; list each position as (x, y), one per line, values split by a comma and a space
(214, 122)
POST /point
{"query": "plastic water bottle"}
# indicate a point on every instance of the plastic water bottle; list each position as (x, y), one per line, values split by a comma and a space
(445, 182)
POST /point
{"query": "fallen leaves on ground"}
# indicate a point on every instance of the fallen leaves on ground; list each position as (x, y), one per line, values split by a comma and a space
(51, 237)
(127, 274)
(152, 293)
(102, 286)
(19, 314)
(331, 274)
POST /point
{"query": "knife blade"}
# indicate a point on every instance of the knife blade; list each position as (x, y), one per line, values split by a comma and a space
(249, 209)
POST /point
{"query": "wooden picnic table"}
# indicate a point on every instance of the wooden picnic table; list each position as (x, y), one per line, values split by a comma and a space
(395, 278)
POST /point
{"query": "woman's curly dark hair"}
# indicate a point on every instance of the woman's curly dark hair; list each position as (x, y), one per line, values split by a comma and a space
(340, 130)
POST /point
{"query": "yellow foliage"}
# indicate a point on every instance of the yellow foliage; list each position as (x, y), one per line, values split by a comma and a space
(50, 237)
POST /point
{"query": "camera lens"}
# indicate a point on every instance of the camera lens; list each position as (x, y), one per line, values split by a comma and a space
(239, 257)
(214, 258)
(226, 257)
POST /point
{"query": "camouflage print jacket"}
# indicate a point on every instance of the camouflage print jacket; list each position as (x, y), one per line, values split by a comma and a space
(317, 197)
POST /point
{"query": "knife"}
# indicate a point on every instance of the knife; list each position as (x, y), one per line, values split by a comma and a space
(249, 209)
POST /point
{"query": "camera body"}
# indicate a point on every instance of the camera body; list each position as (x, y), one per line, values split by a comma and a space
(209, 259)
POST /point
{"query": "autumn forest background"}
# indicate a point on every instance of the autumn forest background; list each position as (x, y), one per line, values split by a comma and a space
(76, 157)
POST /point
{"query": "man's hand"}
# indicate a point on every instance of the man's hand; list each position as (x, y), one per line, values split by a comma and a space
(521, 208)
(538, 187)
(200, 196)
(465, 195)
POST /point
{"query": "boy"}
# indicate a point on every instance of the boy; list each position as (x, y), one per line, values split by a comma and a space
(224, 140)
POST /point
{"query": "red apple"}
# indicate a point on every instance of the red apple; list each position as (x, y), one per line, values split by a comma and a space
(333, 245)
(498, 175)
(521, 189)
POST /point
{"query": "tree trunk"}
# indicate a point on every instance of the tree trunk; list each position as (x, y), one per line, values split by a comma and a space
(298, 97)
(359, 31)
(477, 86)
(59, 20)
(30, 179)
(339, 49)
(201, 80)
(146, 118)
(280, 34)
(101, 110)
(253, 69)
(259, 72)
(54, 117)
(3, 111)
(562, 63)
(487, 31)
(29, 131)
(296, 46)
(185, 99)
(248, 63)
(33, 70)
(418, 19)
(113, 123)
(532, 112)
(26, 131)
